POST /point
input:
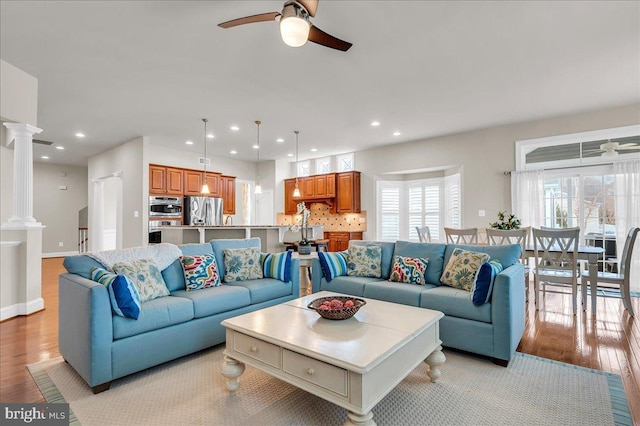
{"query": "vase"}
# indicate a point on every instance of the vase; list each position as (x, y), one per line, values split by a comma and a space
(304, 248)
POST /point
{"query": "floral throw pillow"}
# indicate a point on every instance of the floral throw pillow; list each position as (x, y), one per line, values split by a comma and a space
(146, 276)
(200, 272)
(409, 270)
(462, 269)
(242, 264)
(364, 261)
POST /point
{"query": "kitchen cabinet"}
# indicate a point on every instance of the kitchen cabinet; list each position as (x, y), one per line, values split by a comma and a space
(215, 184)
(325, 185)
(339, 241)
(192, 182)
(165, 180)
(174, 181)
(228, 188)
(290, 203)
(307, 187)
(348, 192)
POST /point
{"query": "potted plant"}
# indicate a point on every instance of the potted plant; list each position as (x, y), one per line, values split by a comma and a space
(506, 221)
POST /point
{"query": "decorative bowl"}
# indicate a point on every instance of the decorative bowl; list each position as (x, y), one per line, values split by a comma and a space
(337, 314)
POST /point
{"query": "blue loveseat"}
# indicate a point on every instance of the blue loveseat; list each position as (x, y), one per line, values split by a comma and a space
(103, 347)
(493, 329)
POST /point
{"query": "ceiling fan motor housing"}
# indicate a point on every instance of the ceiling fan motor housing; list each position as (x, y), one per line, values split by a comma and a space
(294, 24)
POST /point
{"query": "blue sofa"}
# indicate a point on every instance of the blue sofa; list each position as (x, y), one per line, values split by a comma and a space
(493, 329)
(103, 347)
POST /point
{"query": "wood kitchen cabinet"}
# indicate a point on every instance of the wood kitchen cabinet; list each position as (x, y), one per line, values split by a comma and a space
(215, 184)
(192, 182)
(290, 203)
(339, 241)
(174, 181)
(348, 192)
(325, 185)
(165, 180)
(228, 188)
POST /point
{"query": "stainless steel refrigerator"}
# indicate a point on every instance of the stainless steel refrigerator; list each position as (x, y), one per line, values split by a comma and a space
(202, 211)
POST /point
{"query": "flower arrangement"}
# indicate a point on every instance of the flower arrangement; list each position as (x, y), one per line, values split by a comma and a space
(304, 223)
(506, 221)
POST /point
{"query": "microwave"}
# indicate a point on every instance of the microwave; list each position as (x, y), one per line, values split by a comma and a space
(160, 206)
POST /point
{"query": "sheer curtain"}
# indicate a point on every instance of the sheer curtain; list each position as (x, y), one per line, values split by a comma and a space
(527, 197)
(627, 190)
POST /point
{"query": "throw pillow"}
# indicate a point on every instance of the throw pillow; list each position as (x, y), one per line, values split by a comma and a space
(146, 276)
(277, 265)
(364, 261)
(462, 269)
(481, 292)
(242, 264)
(409, 270)
(333, 264)
(200, 271)
(125, 300)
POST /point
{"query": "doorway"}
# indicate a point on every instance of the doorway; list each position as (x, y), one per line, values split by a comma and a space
(106, 227)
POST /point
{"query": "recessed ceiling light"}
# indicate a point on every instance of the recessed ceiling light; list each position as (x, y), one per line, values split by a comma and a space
(289, 155)
(45, 157)
(80, 135)
(60, 147)
(235, 128)
(375, 123)
(255, 146)
(314, 149)
(189, 142)
(396, 133)
(211, 136)
(233, 151)
(280, 140)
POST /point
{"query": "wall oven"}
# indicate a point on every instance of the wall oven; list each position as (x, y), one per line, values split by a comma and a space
(165, 207)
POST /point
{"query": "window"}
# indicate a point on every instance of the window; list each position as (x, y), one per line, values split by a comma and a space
(323, 165)
(345, 162)
(304, 168)
(403, 206)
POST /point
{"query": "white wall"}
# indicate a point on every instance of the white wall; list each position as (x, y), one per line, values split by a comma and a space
(483, 155)
(56, 208)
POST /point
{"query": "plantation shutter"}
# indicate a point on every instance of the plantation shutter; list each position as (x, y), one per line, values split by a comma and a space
(389, 211)
(452, 202)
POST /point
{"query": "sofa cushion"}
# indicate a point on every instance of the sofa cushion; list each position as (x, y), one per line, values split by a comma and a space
(219, 247)
(454, 302)
(387, 254)
(433, 252)
(146, 276)
(481, 292)
(276, 265)
(215, 300)
(333, 264)
(406, 294)
(81, 265)
(507, 254)
(364, 261)
(174, 276)
(462, 268)
(124, 297)
(154, 314)
(265, 289)
(347, 285)
(200, 271)
(242, 264)
(409, 270)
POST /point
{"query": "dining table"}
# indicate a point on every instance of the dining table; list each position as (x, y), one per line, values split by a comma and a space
(590, 255)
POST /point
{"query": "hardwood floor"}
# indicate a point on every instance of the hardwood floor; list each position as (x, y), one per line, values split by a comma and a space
(610, 343)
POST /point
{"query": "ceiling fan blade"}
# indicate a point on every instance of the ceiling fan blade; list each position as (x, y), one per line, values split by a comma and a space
(263, 17)
(310, 5)
(318, 36)
(592, 151)
(629, 146)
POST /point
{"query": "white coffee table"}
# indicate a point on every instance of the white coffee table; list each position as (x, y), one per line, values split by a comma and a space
(352, 363)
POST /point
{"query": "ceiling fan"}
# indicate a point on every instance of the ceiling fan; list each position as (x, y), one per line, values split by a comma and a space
(295, 27)
(610, 149)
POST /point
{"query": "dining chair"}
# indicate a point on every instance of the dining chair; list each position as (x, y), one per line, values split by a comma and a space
(556, 261)
(461, 236)
(620, 279)
(424, 235)
(498, 237)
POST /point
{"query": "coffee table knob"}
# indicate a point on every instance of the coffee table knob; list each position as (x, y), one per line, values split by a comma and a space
(254, 349)
(310, 371)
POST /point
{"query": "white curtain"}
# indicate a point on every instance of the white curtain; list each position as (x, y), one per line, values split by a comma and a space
(627, 191)
(527, 197)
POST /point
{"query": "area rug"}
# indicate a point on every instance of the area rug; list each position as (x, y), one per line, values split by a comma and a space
(471, 391)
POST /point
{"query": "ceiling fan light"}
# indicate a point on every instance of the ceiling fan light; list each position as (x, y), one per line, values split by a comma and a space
(610, 154)
(294, 26)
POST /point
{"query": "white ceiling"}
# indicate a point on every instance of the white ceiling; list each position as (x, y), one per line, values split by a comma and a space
(119, 70)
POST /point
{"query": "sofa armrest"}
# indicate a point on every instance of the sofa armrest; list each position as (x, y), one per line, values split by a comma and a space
(295, 277)
(508, 311)
(85, 328)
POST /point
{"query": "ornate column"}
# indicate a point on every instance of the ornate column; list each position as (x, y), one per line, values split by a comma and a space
(22, 175)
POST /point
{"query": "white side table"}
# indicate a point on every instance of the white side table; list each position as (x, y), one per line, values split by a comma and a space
(306, 260)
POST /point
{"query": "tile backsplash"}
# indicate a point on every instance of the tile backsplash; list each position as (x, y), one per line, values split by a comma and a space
(332, 222)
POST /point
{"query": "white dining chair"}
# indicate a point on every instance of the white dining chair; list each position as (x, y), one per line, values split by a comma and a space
(467, 236)
(424, 234)
(620, 279)
(556, 261)
(498, 237)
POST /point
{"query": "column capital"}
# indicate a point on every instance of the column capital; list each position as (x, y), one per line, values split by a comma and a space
(23, 128)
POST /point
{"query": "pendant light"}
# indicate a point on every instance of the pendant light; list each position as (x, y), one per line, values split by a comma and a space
(296, 191)
(205, 186)
(258, 189)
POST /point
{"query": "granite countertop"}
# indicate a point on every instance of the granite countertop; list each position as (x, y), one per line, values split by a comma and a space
(223, 227)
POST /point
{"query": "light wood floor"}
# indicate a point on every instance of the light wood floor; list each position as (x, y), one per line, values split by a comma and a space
(609, 343)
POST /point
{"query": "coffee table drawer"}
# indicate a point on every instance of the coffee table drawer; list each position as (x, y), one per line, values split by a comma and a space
(320, 373)
(257, 349)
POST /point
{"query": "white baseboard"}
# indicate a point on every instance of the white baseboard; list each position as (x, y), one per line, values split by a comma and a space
(59, 254)
(22, 309)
